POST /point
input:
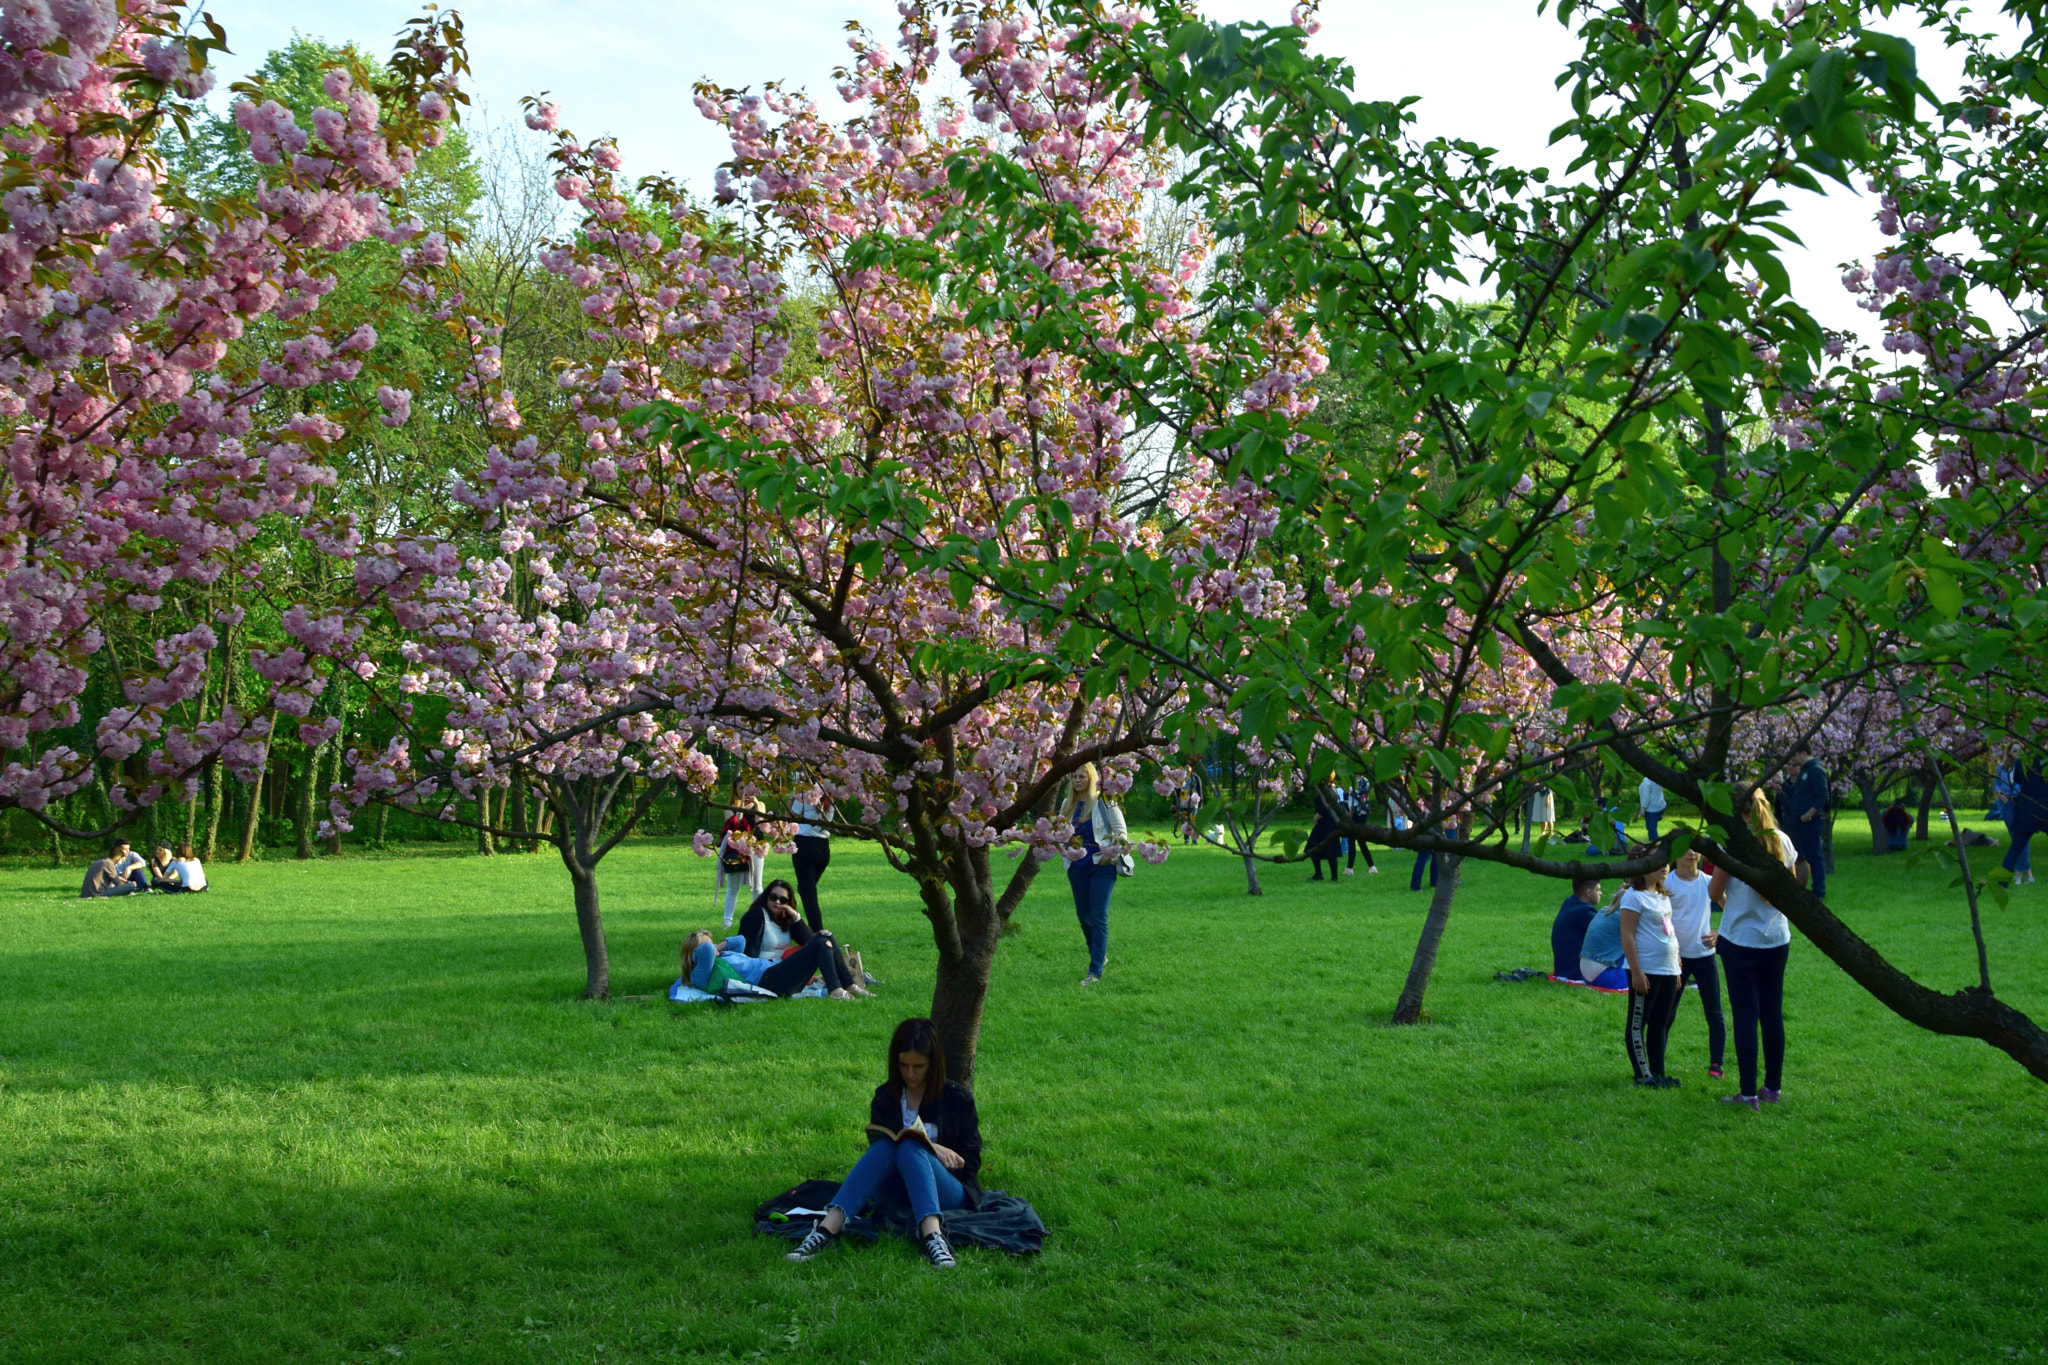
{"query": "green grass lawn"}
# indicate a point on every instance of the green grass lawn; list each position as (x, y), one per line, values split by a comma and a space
(350, 1110)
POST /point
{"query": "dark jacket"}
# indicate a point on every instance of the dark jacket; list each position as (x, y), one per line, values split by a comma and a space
(2031, 805)
(755, 922)
(1323, 838)
(1568, 935)
(1804, 792)
(949, 1115)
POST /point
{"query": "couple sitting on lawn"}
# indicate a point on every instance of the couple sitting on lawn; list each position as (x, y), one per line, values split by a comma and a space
(123, 872)
(775, 950)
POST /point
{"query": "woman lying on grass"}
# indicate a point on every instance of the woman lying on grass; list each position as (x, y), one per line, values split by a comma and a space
(707, 962)
(772, 928)
(938, 1169)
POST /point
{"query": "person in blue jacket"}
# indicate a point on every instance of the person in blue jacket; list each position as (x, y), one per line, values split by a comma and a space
(2028, 807)
(1806, 813)
(702, 955)
(1603, 962)
(1568, 930)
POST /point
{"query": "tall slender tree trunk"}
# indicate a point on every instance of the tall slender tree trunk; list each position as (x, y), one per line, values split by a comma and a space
(960, 992)
(1408, 1009)
(216, 795)
(56, 849)
(597, 967)
(1251, 876)
(484, 843)
(1867, 791)
(516, 799)
(302, 801)
(334, 760)
(383, 815)
(1926, 803)
(248, 849)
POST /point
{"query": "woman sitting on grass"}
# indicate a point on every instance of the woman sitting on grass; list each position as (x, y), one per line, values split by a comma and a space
(941, 1173)
(703, 957)
(184, 873)
(772, 926)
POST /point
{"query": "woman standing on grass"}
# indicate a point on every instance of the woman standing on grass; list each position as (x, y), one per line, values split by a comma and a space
(1755, 941)
(1097, 825)
(931, 1175)
(738, 864)
(1651, 946)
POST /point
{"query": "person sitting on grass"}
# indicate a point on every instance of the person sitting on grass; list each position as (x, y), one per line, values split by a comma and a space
(120, 873)
(1897, 823)
(1602, 962)
(160, 868)
(772, 928)
(183, 873)
(703, 956)
(1568, 930)
(942, 1173)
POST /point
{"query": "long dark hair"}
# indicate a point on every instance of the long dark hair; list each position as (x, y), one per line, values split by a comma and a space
(922, 1037)
(761, 901)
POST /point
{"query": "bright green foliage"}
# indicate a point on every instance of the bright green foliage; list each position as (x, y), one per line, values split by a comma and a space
(327, 1111)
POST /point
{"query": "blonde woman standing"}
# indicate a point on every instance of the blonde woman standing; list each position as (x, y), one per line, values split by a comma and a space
(1098, 826)
(1755, 940)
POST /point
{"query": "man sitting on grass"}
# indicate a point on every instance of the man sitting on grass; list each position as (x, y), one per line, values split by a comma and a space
(1568, 930)
(121, 873)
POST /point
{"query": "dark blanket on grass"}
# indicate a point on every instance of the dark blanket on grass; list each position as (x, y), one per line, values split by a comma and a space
(1001, 1223)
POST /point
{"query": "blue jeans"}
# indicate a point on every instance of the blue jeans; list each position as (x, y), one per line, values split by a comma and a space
(1650, 819)
(1091, 883)
(2019, 857)
(914, 1171)
(1423, 859)
(1806, 839)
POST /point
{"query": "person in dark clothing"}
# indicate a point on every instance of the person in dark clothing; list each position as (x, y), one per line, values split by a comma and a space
(1806, 812)
(1897, 823)
(942, 1173)
(1361, 811)
(1323, 843)
(813, 855)
(2028, 805)
(772, 926)
(1568, 930)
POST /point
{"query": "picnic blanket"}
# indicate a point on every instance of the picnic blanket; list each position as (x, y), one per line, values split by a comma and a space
(683, 993)
(1538, 974)
(1002, 1222)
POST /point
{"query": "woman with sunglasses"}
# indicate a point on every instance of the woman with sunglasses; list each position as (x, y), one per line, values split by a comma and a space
(772, 926)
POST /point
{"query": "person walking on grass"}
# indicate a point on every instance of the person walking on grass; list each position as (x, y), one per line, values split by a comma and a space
(2026, 814)
(1692, 919)
(1098, 826)
(1650, 943)
(1806, 813)
(1754, 942)
(1322, 837)
(937, 1170)
(1361, 811)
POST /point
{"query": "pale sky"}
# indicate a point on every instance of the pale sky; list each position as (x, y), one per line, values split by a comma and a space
(1484, 69)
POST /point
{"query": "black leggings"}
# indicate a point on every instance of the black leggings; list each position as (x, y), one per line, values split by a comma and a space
(1648, 1026)
(1358, 846)
(820, 955)
(1756, 997)
(1707, 972)
(813, 856)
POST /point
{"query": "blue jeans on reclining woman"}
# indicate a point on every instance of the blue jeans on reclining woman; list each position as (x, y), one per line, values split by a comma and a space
(907, 1168)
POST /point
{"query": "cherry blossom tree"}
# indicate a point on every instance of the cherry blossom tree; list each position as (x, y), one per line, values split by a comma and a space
(141, 471)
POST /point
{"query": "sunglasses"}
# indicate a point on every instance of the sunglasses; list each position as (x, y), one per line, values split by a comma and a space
(778, 899)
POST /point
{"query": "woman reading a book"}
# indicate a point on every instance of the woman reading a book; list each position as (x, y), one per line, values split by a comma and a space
(924, 1142)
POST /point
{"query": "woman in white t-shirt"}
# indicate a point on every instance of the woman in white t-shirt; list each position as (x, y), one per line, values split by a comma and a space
(1692, 915)
(1754, 943)
(1650, 943)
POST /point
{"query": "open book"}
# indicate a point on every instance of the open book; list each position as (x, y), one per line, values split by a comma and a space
(915, 1131)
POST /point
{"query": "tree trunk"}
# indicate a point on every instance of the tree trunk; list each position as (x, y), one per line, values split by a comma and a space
(484, 843)
(383, 814)
(960, 993)
(1926, 805)
(597, 967)
(1251, 876)
(1867, 790)
(302, 800)
(248, 849)
(56, 849)
(517, 805)
(216, 796)
(334, 747)
(1408, 1010)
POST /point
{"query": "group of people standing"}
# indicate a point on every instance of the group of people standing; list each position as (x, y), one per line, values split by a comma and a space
(1658, 933)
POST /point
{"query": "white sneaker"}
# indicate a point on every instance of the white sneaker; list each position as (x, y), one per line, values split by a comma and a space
(1374, 870)
(1350, 871)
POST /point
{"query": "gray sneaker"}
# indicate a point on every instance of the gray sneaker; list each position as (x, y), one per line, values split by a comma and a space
(819, 1242)
(935, 1250)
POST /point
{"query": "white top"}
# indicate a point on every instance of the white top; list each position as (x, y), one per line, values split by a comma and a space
(909, 1110)
(129, 862)
(1650, 795)
(806, 813)
(191, 875)
(1656, 941)
(1747, 919)
(774, 938)
(1691, 913)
